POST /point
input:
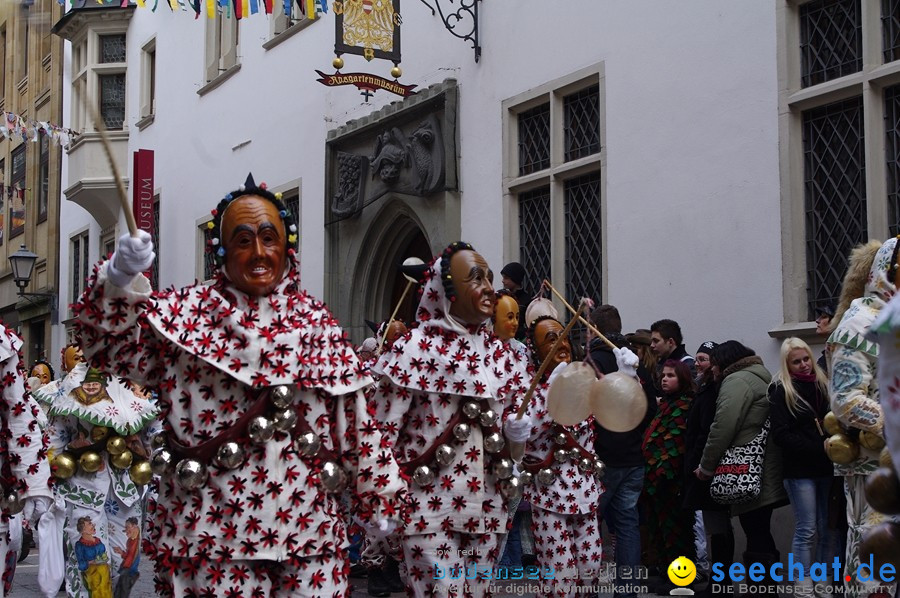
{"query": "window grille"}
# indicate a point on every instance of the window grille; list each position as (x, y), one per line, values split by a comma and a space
(112, 100)
(534, 139)
(584, 266)
(112, 48)
(76, 269)
(293, 205)
(835, 195)
(44, 178)
(209, 259)
(582, 123)
(890, 27)
(830, 40)
(892, 155)
(534, 236)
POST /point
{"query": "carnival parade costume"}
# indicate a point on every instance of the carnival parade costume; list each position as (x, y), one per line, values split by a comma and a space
(24, 469)
(443, 389)
(264, 421)
(99, 452)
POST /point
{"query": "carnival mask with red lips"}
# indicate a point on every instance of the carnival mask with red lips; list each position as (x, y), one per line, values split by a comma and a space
(253, 235)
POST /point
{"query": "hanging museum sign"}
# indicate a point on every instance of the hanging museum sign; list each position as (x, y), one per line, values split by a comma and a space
(366, 83)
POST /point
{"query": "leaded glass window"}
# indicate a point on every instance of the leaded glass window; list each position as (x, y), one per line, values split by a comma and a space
(581, 111)
(830, 40)
(534, 236)
(209, 258)
(584, 267)
(892, 155)
(534, 139)
(112, 48)
(835, 195)
(293, 205)
(890, 26)
(76, 269)
(112, 100)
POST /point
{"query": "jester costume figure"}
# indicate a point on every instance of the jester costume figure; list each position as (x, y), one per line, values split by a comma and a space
(264, 417)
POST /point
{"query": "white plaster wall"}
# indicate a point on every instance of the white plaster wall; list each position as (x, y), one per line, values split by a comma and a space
(692, 189)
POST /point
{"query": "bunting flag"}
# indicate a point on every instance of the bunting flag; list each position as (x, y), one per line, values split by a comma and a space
(311, 9)
(16, 127)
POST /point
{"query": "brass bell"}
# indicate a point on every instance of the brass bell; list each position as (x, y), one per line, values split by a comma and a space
(511, 489)
(230, 455)
(284, 420)
(586, 464)
(560, 439)
(12, 504)
(158, 440)
(444, 455)
(488, 418)
(471, 410)
(116, 445)
(503, 469)
(122, 460)
(333, 477)
(871, 440)
(461, 431)
(308, 444)
(140, 473)
(162, 462)
(599, 469)
(63, 466)
(561, 455)
(191, 474)
(526, 478)
(260, 430)
(282, 396)
(423, 476)
(493, 443)
(90, 462)
(546, 476)
(98, 433)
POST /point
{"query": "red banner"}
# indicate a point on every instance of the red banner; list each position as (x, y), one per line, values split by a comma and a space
(142, 184)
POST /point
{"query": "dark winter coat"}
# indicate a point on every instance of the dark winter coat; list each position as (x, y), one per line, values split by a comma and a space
(700, 419)
(801, 441)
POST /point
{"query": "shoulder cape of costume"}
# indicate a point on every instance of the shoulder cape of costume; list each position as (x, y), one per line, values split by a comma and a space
(285, 337)
(121, 410)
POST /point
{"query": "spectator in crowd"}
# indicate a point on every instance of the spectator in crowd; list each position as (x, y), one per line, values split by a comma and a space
(513, 278)
(669, 524)
(824, 315)
(639, 342)
(742, 409)
(667, 342)
(799, 401)
(716, 518)
(621, 452)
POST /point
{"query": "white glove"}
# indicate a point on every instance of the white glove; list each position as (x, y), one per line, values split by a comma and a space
(382, 528)
(627, 361)
(33, 383)
(517, 430)
(35, 506)
(134, 255)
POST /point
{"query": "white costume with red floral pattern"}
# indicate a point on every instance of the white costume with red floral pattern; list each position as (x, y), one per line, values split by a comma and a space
(566, 533)
(23, 444)
(266, 527)
(426, 378)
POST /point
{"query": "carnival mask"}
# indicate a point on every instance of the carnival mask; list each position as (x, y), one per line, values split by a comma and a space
(506, 317)
(72, 357)
(472, 283)
(253, 235)
(545, 334)
(41, 372)
(395, 330)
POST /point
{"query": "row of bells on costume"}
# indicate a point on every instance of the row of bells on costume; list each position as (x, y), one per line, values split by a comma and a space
(64, 465)
(191, 474)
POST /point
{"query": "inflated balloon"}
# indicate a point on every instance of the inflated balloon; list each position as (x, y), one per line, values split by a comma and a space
(540, 307)
(569, 398)
(618, 402)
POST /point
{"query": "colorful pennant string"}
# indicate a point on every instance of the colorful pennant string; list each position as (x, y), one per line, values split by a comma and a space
(17, 127)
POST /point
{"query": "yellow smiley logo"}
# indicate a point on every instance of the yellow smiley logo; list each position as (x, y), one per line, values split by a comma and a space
(682, 571)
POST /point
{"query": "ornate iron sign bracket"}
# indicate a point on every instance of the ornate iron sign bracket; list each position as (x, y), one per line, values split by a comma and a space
(461, 22)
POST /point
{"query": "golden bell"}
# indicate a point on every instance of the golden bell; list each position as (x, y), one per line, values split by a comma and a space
(396, 72)
(98, 433)
(140, 473)
(122, 460)
(338, 63)
(841, 449)
(90, 461)
(831, 423)
(883, 491)
(63, 466)
(871, 440)
(116, 445)
(882, 542)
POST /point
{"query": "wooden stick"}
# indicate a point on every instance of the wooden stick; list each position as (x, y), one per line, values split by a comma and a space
(583, 321)
(107, 149)
(537, 377)
(409, 285)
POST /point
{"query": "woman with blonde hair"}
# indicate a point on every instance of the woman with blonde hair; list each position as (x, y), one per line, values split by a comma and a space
(799, 397)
